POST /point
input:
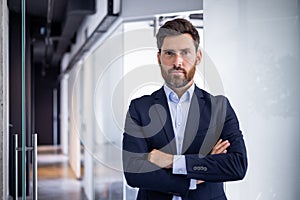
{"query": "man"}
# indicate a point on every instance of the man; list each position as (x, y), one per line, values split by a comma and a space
(180, 142)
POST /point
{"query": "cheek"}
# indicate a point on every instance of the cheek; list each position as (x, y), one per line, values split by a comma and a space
(167, 62)
(165, 66)
(190, 62)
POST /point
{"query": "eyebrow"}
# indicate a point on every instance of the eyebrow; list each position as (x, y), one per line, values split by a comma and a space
(185, 49)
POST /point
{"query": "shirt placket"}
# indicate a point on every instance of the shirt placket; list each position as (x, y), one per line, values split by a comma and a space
(178, 125)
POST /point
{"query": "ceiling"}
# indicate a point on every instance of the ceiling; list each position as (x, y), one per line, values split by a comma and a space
(53, 25)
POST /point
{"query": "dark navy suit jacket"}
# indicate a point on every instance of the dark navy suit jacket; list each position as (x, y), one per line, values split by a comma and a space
(148, 126)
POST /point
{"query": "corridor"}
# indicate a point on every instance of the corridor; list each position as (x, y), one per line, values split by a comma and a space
(55, 178)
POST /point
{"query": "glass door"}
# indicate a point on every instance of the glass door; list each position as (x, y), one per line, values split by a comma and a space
(24, 141)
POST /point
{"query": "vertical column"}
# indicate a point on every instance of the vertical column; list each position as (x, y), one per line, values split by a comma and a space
(3, 99)
(64, 121)
(64, 109)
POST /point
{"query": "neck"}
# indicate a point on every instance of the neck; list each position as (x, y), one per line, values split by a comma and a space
(180, 91)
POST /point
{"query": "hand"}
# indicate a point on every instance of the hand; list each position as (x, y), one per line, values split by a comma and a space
(220, 147)
(161, 159)
(199, 182)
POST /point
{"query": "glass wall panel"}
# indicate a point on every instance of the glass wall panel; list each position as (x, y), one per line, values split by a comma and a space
(98, 128)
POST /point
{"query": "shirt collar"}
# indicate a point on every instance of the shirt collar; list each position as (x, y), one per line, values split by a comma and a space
(172, 96)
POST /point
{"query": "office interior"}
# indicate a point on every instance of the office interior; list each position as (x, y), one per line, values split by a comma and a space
(70, 70)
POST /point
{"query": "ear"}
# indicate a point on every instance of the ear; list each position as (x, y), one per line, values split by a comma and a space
(199, 56)
(158, 57)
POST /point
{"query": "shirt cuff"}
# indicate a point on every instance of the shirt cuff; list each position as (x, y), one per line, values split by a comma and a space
(179, 165)
(193, 184)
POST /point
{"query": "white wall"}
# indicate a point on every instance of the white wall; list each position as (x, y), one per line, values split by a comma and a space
(255, 48)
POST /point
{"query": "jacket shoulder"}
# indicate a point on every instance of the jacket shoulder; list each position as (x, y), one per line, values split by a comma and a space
(209, 96)
(146, 101)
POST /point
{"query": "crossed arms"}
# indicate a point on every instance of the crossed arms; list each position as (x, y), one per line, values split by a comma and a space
(165, 160)
(148, 167)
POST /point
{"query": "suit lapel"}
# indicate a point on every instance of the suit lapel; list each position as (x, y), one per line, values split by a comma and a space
(163, 110)
(193, 123)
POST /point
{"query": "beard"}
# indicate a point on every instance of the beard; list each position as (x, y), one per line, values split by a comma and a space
(178, 80)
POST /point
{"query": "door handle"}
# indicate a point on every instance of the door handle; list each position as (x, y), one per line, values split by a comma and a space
(33, 150)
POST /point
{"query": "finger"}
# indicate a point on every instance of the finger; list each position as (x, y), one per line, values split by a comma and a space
(217, 145)
(224, 143)
(223, 147)
(220, 147)
(219, 142)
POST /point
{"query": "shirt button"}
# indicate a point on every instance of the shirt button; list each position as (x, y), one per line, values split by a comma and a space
(178, 124)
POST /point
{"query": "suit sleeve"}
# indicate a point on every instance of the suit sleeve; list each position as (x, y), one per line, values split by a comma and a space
(222, 167)
(138, 171)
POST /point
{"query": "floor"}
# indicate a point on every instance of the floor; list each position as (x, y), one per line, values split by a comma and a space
(57, 181)
(55, 178)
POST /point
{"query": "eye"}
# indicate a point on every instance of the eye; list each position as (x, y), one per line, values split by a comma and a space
(185, 52)
(169, 53)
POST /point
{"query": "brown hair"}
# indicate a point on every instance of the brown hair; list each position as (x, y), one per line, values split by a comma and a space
(177, 27)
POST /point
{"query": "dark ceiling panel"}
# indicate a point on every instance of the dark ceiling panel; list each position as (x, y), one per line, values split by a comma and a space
(53, 25)
(36, 8)
(59, 10)
(39, 8)
(76, 11)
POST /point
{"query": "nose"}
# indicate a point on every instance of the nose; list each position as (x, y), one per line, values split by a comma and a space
(178, 60)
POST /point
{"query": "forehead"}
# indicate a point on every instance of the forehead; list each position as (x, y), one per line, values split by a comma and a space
(182, 41)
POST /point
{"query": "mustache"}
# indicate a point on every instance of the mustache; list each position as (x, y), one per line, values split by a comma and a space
(177, 68)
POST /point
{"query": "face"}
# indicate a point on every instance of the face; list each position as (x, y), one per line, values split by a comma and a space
(178, 59)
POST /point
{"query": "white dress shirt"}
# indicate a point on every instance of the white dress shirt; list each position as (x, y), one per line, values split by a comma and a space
(179, 109)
